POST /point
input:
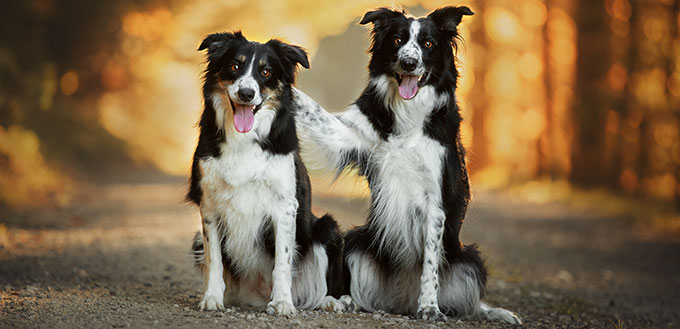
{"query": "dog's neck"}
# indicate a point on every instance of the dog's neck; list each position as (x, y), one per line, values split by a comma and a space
(409, 115)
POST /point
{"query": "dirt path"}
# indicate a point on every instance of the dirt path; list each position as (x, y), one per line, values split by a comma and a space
(120, 259)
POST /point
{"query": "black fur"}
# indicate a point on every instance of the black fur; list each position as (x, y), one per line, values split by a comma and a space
(282, 137)
(224, 50)
(440, 28)
(371, 105)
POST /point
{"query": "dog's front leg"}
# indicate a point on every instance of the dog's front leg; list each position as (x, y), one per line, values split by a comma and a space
(213, 298)
(336, 139)
(428, 303)
(284, 248)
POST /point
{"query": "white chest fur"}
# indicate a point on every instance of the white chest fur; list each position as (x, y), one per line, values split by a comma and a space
(241, 188)
(407, 189)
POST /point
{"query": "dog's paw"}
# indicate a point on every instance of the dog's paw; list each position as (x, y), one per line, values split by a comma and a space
(281, 308)
(330, 304)
(430, 313)
(500, 314)
(348, 302)
(211, 303)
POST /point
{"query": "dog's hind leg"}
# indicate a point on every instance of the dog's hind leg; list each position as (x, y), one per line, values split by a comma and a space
(365, 285)
(310, 285)
(498, 314)
(462, 287)
(213, 297)
(461, 290)
(337, 277)
(326, 231)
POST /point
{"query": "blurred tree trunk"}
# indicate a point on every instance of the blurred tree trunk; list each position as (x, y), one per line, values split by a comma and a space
(589, 112)
(655, 159)
(624, 101)
(546, 165)
(671, 68)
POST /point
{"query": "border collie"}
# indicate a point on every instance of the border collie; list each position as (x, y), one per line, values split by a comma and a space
(402, 134)
(260, 239)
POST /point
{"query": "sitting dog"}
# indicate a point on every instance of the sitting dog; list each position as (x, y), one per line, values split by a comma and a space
(259, 234)
(402, 134)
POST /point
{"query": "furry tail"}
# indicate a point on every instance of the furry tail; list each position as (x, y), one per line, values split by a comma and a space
(477, 274)
(470, 255)
(326, 232)
(197, 251)
(463, 282)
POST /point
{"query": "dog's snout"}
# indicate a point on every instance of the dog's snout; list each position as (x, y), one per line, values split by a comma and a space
(408, 64)
(246, 94)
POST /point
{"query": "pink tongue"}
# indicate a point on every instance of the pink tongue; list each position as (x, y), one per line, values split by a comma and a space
(409, 86)
(244, 118)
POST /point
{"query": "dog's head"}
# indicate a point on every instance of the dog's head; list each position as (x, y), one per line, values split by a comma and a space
(248, 73)
(413, 51)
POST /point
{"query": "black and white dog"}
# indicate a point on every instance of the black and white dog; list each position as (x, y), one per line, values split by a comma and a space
(259, 234)
(402, 134)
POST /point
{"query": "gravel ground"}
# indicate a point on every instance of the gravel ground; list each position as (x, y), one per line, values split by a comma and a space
(120, 259)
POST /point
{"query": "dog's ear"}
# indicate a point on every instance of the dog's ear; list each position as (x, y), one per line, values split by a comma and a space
(290, 56)
(380, 15)
(448, 18)
(218, 43)
(291, 53)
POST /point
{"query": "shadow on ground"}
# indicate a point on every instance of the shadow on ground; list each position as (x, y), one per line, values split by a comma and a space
(120, 259)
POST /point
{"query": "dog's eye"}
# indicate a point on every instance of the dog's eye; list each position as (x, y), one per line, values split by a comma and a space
(428, 44)
(397, 41)
(235, 67)
(266, 73)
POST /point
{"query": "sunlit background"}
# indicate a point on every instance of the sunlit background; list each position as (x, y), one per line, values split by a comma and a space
(554, 95)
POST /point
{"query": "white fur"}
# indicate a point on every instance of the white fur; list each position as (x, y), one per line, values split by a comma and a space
(246, 81)
(408, 154)
(417, 160)
(397, 294)
(242, 187)
(213, 298)
(347, 130)
(409, 114)
(406, 191)
(231, 186)
(309, 279)
(408, 208)
(459, 290)
(330, 304)
(498, 314)
(222, 108)
(412, 50)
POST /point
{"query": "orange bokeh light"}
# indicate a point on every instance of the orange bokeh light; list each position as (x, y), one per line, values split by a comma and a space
(69, 83)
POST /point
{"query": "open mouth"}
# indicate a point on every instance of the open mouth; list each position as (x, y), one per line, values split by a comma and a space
(409, 84)
(244, 116)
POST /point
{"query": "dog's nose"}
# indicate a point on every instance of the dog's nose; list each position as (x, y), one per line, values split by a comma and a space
(246, 94)
(408, 64)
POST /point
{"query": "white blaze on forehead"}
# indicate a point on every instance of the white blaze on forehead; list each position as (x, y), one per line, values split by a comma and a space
(411, 49)
(247, 80)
